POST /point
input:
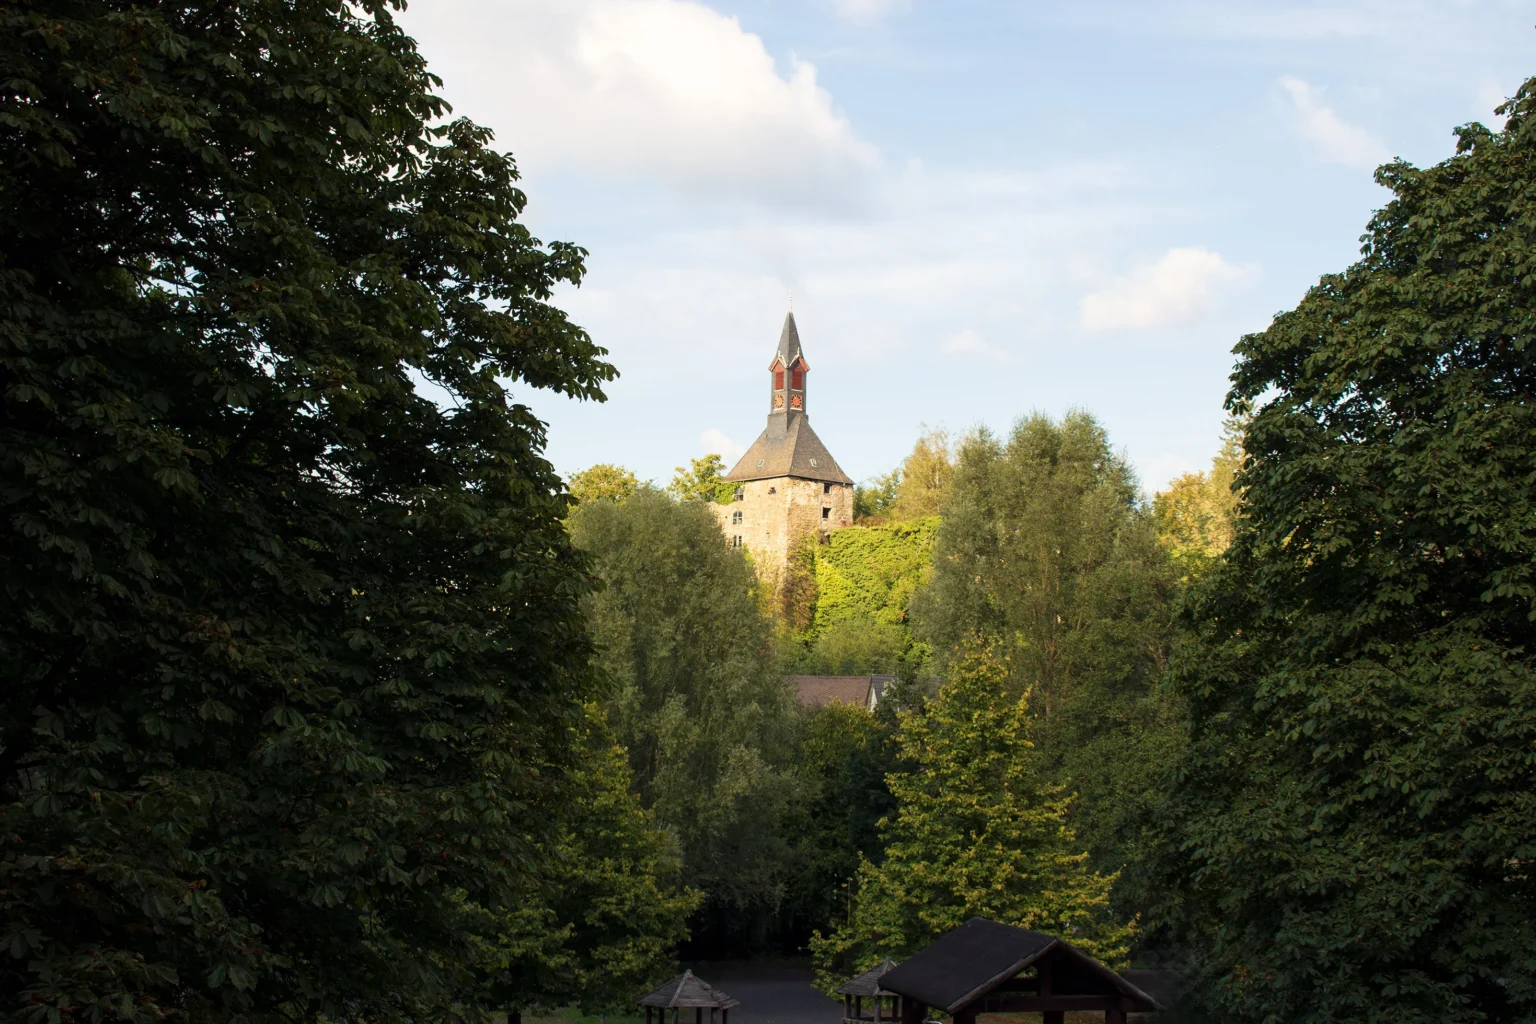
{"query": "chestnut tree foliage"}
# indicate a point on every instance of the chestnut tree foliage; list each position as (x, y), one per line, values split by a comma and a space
(1355, 826)
(290, 652)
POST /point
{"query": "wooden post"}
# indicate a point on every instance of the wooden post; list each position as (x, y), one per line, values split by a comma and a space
(858, 1007)
(1043, 973)
(698, 1015)
(879, 1001)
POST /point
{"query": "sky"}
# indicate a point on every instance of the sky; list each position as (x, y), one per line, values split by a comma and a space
(979, 210)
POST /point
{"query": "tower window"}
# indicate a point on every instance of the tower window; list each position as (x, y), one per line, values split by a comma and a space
(826, 488)
(797, 379)
(826, 513)
(778, 378)
(735, 518)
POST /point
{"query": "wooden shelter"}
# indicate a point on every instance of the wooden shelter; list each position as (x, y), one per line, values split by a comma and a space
(986, 967)
(885, 1007)
(688, 992)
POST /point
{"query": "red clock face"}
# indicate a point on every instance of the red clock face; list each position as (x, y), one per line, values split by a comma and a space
(796, 402)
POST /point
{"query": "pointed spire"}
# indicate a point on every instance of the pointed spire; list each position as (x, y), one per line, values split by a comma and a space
(789, 341)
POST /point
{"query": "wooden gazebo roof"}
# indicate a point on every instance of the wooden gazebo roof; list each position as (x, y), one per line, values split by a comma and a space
(986, 967)
(686, 991)
(868, 983)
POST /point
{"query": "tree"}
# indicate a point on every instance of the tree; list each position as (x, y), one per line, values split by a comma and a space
(832, 823)
(699, 704)
(1352, 833)
(603, 482)
(1195, 514)
(875, 499)
(279, 635)
(596, 927)
(1046, 549)
(853, 647)
(978, 830)
(702, 481)
(925, 476)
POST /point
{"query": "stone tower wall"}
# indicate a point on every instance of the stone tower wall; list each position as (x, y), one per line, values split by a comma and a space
(777, 513)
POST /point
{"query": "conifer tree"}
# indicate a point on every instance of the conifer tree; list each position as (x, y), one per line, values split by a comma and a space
(978, 831)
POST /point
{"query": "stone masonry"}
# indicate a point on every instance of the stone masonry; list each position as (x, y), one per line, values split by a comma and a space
(788, 486)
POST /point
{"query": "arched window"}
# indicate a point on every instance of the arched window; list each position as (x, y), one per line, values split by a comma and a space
(778, 378)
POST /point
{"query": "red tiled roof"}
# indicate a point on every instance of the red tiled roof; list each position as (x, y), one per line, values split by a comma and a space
(816, 691)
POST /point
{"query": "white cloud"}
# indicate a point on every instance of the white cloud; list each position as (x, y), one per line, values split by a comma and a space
(1174, 290)
(715, 441)
(1335, 141)
(645, 89)
(970, 343)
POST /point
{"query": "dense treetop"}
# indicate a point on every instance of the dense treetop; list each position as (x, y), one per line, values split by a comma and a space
(978, 830)
(1353, 829)
(696, 698)
(283, 638)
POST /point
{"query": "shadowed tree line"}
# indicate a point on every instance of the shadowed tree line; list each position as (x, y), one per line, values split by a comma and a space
(325, 698)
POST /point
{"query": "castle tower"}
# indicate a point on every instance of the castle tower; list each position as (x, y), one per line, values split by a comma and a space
(788, 486)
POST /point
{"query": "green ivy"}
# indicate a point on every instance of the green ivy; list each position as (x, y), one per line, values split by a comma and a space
(871, 572)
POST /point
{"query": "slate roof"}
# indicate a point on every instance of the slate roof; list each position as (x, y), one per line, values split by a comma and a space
(789, 342)
(685, 990)
(877, 685)
(819, 691)
(868, 983)
(787, 448)
(967, 962)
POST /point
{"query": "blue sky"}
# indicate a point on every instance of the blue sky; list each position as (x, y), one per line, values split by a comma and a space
(981, 209)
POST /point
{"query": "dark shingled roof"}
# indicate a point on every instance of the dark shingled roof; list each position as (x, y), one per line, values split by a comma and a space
(819, 691)
(967, 962)
(787, 448)
(685, 990)
(877, 685)
(868, 983)
(789, 342)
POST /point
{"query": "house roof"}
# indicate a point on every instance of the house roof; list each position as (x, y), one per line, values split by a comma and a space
(877, 685)
(818, 691)
(788, 447)
(868, 983)
(966, 963)
(685, 990)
